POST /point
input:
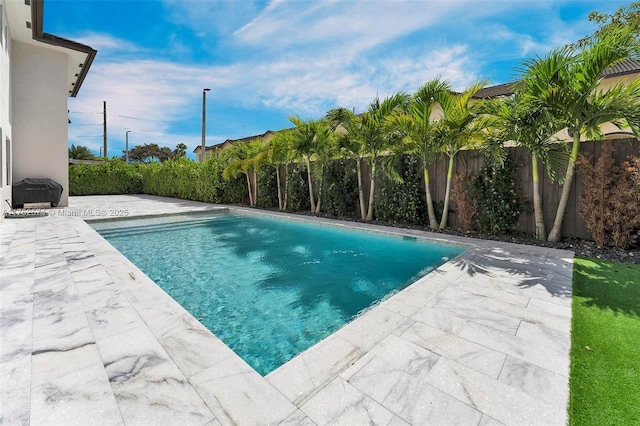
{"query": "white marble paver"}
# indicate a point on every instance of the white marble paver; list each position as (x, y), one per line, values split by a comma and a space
(87, 338)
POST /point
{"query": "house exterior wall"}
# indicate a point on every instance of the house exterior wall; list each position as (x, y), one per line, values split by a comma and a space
(5, 111)
(39, 110)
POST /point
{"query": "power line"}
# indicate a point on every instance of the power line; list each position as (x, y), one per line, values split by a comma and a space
(146, 119)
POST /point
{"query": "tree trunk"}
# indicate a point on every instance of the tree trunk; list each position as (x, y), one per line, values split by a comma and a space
(433, 222)
(278, 184)
(541, 233)
(286, 187)
(371, 190)
(556, 231)
(311, 200)
(447, 193)
(363, 206)
(320, 189)
(249, 189)
(255, 188)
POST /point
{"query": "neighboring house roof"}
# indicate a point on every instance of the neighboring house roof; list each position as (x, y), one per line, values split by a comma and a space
(232, 141)
(26, 23)
(505, 89)
(624, 67)
(627, 66)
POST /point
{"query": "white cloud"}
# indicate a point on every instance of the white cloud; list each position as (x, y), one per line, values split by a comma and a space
(161, 94)
(105, 43)
(297, 57)
(354, 26)
(211, 16)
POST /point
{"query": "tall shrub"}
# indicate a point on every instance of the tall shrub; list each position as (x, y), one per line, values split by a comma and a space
(399, 201)
(340, 197)
(610, 200)
(297, 190)
(497, 198)
(267, 188)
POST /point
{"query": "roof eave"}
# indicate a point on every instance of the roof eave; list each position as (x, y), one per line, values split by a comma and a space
(37, 13)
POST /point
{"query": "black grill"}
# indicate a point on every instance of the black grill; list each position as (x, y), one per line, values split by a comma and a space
(32, 190)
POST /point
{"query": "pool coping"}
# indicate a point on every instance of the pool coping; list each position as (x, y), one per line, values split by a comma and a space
(340, 378)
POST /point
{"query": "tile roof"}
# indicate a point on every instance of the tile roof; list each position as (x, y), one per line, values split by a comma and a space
(627, 66)
(505, 89)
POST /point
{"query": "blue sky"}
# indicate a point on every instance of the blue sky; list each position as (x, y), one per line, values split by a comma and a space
(266, 60)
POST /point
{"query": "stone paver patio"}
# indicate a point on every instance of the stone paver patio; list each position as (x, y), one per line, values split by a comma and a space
(87, 338)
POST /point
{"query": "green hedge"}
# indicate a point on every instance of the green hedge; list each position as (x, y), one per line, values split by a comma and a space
(111, 177)
(499, 203)
(180, 178)
(340, 194)
(267, 188)
(400, 202)
(183, 178)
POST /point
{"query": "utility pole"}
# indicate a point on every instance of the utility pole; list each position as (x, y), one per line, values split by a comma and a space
(126, 148)
(104, 128)
(203, 148)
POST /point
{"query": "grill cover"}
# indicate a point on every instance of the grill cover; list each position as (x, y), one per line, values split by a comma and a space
(32, 190)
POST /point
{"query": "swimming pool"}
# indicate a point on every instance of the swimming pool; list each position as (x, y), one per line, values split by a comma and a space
(271, 288)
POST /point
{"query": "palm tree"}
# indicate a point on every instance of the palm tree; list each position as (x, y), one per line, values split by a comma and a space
(311, 140)
(80, 153)
(566, 83)
(324, 151)
(245, 158)
(515, 119)
(279, 155)
(418, 126)
(458, 129)
(346, 126)
(369, 137)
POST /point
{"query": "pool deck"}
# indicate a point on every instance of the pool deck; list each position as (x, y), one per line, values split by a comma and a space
(87, 339)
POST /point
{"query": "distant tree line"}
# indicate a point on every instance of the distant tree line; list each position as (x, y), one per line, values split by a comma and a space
(146, 153)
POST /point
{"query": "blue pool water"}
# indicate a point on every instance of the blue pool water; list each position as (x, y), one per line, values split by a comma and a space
(271, 288)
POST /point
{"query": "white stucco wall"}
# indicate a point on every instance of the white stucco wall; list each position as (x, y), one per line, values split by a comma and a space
(5, 105)
(39, 102)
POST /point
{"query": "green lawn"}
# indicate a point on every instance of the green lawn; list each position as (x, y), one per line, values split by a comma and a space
(605, 344)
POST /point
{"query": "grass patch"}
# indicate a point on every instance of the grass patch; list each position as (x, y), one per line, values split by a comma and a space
(605, 344)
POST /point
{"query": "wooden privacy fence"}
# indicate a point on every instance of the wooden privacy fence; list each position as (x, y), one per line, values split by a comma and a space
(473, 161)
